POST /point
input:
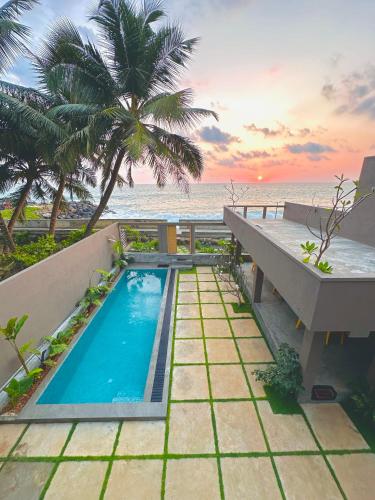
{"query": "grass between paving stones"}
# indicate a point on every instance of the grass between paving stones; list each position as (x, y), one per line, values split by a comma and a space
(280, 405)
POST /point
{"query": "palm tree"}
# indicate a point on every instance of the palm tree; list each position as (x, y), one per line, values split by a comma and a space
(125, 92)
(12, 38)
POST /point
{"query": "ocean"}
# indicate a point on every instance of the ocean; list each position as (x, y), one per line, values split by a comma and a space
(205, 201)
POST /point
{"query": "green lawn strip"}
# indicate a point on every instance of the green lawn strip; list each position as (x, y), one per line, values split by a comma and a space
(243, 308)
(110, 464)
(58, 460)
(365, 426)
(255, 404)
(216, 439)
(280, 405)
(18, 440)
(188, 271)
(31, 213)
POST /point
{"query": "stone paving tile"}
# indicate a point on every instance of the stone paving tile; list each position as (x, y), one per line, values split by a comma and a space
(192, 478)
(245, 328)
(190, 382)
(238, 427)
(333, 428)
(213, 311)
(75, 480)
(230, 298)
(141, 438)
(92, 439)
(206, 277)
(216, 328)
(43, 440)
(204, 269)
(210, 297)
(188, 311)
(232, 314)
(254, 350)
(135, 480)
(187, 287)
(356, 474)
(190, 429)
(306, 477)
(208, 286)
(189, 351)
(286, 432)
(228, 381)
(23, 480)
(188, 328)
(188, 277)
(224, 286)
(249, 478)
(221, 351)
(9, 433)
(188, 298)
(256, 386)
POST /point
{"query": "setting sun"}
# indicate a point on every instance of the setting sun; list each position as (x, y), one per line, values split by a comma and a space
(260, 177)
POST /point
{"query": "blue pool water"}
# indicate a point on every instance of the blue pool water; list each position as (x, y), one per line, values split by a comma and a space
(110, 361)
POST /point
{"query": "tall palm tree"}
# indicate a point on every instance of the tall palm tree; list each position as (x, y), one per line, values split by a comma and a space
(12, 38)
(126, 91)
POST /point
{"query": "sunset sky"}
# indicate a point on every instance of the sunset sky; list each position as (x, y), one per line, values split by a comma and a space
(293, 82)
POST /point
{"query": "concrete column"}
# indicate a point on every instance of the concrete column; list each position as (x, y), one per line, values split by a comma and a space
(192, 238)
(310, 358)
(163, 238)
(258, 285)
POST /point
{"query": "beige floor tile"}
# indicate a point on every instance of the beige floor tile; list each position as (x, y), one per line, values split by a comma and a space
(188, 277)
(213, 311)
(228, 381)
(210, 297)
(238, 427)
(204, 269)
(135, 480)
(74, 480)
(356, 474)
(225, 286)
(254, 350)
(221, 351)
(141, 438)
(208, 286)
(187, 286)
(256, 386)
(246, 478)
(9, 434)
(190, 429)
(216, 328)
(286, 432)
(188, 311)
(24, 480)
(189, 351)
(92, 439)
(188, 298)
(194, 478)
(230, 298)
(190, 382)
(188, 328)
(206, 277)
(306, 477)
(333, 428)
(43, 440)
(236, 315)
(245, 328)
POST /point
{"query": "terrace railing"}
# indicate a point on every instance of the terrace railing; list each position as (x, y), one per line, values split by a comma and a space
(249, 211)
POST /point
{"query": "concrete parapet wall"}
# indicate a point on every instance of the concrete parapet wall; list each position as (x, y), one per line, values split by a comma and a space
(49, 290)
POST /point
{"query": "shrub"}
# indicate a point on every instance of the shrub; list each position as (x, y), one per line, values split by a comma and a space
(32, 253)
(74, 237)
(146, 247)
(132, 234)
(285, 377)
(363, 399)
(17, 388)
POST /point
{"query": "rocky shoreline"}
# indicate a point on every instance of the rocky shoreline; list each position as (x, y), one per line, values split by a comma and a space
(71, 209)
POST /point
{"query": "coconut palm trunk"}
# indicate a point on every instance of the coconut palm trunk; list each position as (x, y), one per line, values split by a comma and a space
(56, 205)
(106, 195)
(9, 242)
(20, 205)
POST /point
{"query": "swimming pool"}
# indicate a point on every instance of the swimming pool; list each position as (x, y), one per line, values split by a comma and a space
(110, 361)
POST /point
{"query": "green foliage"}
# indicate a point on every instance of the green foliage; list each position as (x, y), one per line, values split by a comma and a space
(325, 267)
(30, 213)
(32, 253)
(117, 248)
(93, 296)
(363, 399)
(107, 277)
(205, 247)
(285, 377)
(13, 327)
(78, 320)
(66, 335)
(241, 308)
(74, 237)
(145, 247)
(132, 234)
(308, 249)
(57, 346)
(284, 405)
(17, 388)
